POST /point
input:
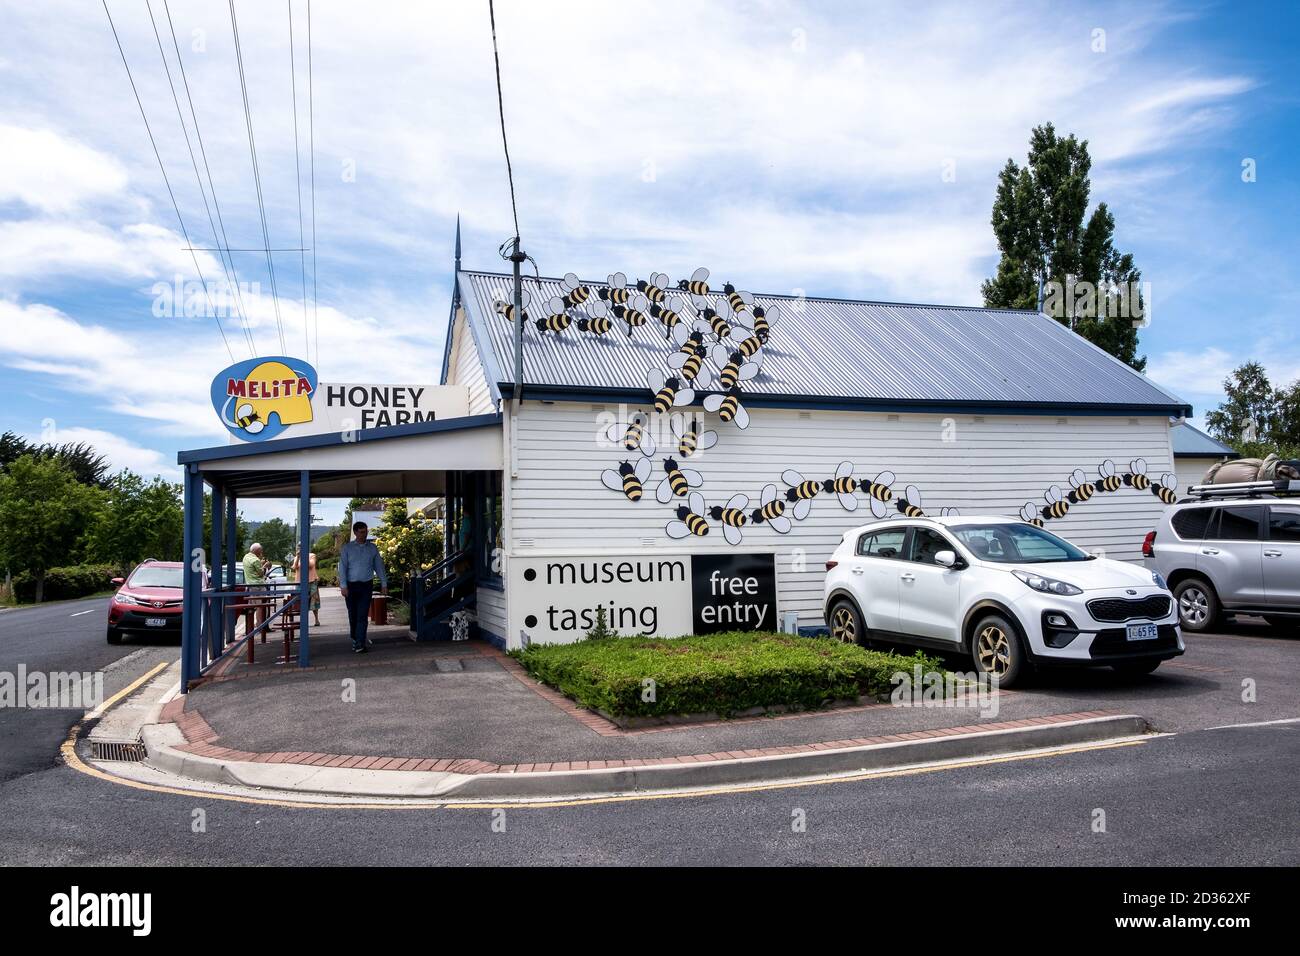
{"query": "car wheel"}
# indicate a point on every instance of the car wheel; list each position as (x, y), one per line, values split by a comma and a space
(1135, 668)
(998, 651)
(1198, 605)
(114, 636)
(846, 623)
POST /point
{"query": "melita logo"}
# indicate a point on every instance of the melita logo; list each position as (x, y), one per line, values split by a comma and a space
(259, 398)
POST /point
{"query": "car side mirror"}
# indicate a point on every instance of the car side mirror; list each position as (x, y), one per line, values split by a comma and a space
(947, 559)
(118, 582)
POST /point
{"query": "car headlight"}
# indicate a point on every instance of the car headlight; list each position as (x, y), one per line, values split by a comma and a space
(1046, 585)
(128, 599)
(1159, 580)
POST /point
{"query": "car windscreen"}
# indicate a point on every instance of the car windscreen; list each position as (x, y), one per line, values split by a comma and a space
(147, 577)
(1016, 544)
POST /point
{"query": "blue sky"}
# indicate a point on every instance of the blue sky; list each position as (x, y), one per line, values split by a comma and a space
(792, 146)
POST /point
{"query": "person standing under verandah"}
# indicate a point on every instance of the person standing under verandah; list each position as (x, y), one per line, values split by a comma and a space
(313, 577)
(359, 564)
(255, 570)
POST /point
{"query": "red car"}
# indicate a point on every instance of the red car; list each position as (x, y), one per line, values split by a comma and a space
(147, 601)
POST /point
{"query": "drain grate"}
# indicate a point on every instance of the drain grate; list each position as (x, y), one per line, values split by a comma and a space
(117, 750)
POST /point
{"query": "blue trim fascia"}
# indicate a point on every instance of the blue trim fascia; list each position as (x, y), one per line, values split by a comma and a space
(486, 356)
(331, 439)
(553, 393)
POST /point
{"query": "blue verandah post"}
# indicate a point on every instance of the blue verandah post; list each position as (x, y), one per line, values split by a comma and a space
(304, 556)
(232, 556)
(215, 616)
(191, 607)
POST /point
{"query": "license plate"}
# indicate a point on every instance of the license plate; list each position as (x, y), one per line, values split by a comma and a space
(1143, 632)
(155, 621)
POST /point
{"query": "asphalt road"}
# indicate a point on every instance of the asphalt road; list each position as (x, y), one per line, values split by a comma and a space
(63, 637)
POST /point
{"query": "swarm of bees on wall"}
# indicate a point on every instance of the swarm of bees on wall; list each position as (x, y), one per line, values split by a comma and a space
(716, 337)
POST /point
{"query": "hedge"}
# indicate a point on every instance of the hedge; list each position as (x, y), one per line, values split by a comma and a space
(722, 674)
(64, 583)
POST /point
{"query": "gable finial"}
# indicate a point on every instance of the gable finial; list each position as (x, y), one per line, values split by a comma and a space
(457, 242)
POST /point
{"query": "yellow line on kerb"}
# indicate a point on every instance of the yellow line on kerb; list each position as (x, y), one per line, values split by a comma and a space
(130, 688)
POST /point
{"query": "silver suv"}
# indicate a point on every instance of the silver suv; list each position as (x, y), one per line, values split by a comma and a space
(1230, 556)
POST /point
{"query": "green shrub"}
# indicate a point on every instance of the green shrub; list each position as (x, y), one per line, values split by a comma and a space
(64, 583)
(715, 673)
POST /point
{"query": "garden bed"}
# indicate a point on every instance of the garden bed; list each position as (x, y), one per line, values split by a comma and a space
(635, 679)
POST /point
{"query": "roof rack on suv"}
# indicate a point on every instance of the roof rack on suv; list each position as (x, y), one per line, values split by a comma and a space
(1246, 489)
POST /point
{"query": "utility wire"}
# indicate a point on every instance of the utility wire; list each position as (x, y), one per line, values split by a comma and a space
(163, 169)
(198, 178)
(257, 176)
(297, 168)
(311, 127)
(501, 111)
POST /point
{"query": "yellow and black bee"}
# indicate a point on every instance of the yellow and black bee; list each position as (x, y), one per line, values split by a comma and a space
(732, 517)
(710, 320)
(636, 434)
(654, 288)
(1080, 488)
(689, 438)
(843, 485)
(556, 322)
(879, 492)
(800, 493)
(909, 502)
(248, 420)
(668, 391)
(677, 482)
(732, 366)
(507, 308)
(1167, 489)
(1029, 514)
(1109, 481)
(634, 313)
(697, 284)
(738, 301)
(690, 519)
(670, 315)
(728, 407)
(691, 365)
(1136, 477)
(597, 320)
(771, 510)
(630, 479)
(617, 293)
(764, 318)
(1057, 506)
(575, 293)
(749, 345)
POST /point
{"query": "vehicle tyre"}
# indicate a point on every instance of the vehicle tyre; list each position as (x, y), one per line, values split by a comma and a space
(846, 623)
(1137, 668)
(114, 636)
(1198, 605)
(999, 651)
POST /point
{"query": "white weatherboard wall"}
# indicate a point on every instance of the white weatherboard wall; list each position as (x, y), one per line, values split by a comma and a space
(992, 465)
(466, 368)
(1191, 471)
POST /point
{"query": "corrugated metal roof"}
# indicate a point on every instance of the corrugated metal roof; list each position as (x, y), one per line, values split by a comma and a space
(1191, 441)
(827, 349)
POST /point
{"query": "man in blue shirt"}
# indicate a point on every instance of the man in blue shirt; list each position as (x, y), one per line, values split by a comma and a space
(359, 564)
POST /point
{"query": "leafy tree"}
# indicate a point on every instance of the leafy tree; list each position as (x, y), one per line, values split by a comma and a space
(89, 467)
(1251, 410)
(1038, 220)
(12, 447)
(277, 539)
(143, 519)
(44, 514)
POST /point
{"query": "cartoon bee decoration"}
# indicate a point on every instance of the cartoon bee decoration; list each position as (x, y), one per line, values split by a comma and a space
(690, 519)
(634, 313)
(732, 517)
(909, 502)
(677, 481)
(738, 301)
(668, 391)
(597, 320)
(507, 308)
(1057, 506)
(728, 407)
(689, 438)
(800, 493)
(747, 343)
(688, 361)
(636, 434)
(1136, 477)
(732, 366)
(879, 492)
(655, 289)
(1029, 514)
(575, 293)
(1167, 489)
(248, 420)
(764, 318)
(697, 284)
(1081, 488)
(843, 485)
(771, 510)
(1109, 481)
(670, 314)
(558, 320)
(617, 292)
(711, 320)
(686, 339)
(949, 512)
(630, 479)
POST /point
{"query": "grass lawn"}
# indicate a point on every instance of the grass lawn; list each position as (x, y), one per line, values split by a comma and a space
(723, 674)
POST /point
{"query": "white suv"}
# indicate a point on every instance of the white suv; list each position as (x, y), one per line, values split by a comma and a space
(1008, 593)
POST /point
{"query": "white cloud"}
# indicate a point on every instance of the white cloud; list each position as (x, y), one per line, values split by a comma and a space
(120, 452)
(1195, 373)
(52, 173)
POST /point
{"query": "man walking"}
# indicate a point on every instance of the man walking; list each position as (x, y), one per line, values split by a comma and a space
(359, 563)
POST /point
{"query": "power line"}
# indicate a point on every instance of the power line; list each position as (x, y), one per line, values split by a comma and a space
(203, 151)
(232, 282)
(163, 169)
(257, 176)
(297, 168)
(501, 110)
(311, 126)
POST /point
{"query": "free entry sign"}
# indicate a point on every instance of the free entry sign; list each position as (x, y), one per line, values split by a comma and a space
(554, 600)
